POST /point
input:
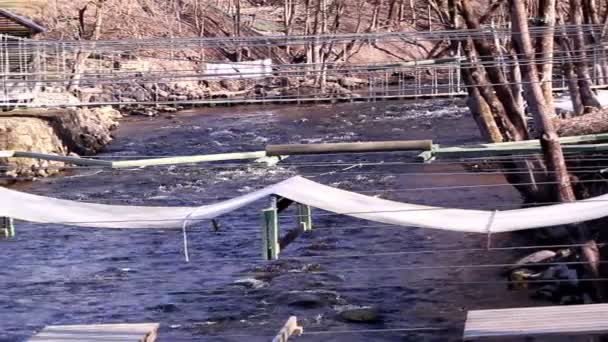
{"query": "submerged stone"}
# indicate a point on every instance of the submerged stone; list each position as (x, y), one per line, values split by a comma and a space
(360, 315)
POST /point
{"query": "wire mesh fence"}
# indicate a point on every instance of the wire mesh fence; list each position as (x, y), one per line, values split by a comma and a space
(164, 71)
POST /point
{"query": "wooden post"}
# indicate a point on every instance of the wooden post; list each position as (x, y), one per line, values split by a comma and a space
(270, 232)
(359, 147)
(291, 328)
(305, 217)
(146, 332)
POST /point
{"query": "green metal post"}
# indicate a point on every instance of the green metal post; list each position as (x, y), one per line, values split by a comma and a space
(7, 227)
(270, 233)
(305, 217)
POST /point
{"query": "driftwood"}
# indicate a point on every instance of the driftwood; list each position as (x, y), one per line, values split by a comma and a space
(592, 123)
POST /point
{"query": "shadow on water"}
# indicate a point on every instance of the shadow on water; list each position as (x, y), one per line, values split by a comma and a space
(61, 275)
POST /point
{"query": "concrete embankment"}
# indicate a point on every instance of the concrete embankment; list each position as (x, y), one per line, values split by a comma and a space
(57, 131)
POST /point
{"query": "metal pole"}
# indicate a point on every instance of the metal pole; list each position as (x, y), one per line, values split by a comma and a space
(7, 226)
(270, 231)
(305, 217)
(459, 68)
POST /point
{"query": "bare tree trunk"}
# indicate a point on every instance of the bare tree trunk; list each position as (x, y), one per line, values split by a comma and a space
(570, 75)
(591, 12)
(582, 71)
(499, 82)
(481, 111)
(308, 31)
(392, 11)
(83, 55)
(480, 108)
(289, 12)
(516, 82)
(547, 46)
(552, 149)
(485, 106)
(376, 14)
(199, 23)
(524, 47)
(237, 28)
(413, 11)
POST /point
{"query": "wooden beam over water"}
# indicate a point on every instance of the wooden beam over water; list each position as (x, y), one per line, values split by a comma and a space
(188, 159)
(430, 151)
(357, 147)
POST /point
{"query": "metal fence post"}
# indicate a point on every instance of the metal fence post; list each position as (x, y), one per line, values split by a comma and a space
(270, 232)
(305, 217)
(7, 226)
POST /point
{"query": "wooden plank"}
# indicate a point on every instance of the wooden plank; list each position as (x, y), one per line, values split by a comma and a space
(146, 332)
(291, 328)
(358, 147)
(550, 320)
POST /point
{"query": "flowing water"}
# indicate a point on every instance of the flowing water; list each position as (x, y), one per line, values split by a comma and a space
(64, 275)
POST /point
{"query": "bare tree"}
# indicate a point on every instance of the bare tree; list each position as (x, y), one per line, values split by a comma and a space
(237, 27)
(546, 47)
(582, 70)
(495, 73)
(289, 13)
(552, 149)
(82, 55)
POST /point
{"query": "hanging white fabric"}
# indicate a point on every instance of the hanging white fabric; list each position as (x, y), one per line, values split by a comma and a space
(27, 207)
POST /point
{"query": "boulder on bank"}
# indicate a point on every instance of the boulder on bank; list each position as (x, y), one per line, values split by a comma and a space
(28, 134)
(60, 131)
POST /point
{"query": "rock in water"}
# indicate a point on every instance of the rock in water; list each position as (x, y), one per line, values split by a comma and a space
(360, 315)
(164, 308)
(306, 300)
(250, 283)
(518, 279)
(534, 258)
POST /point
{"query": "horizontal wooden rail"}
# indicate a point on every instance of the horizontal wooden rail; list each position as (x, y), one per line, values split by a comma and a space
(358, 147)
(274, 151)
(134, 163)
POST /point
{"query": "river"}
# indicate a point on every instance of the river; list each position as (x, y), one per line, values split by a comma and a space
(65, 275)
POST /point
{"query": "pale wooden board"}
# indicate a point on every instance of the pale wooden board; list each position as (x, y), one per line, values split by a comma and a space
(549, 320)
(146, 332)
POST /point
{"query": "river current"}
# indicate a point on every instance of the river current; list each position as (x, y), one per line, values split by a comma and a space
(406, 278)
